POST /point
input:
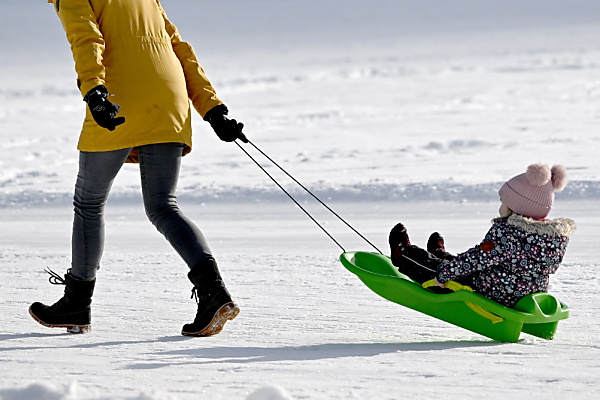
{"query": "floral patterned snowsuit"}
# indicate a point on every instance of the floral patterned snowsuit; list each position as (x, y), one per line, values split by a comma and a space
(515, 258)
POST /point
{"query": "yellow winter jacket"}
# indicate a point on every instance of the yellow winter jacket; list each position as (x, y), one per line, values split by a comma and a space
(137, 53)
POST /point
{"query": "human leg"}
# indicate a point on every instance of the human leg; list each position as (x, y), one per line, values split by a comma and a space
(159, 168)
(97, 172)
(94, 179)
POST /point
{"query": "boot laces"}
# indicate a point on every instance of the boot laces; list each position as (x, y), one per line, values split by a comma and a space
(196, 296)
(55, 278)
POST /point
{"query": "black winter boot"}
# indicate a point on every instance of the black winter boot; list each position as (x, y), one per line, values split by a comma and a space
(215, 306)
(73, 310)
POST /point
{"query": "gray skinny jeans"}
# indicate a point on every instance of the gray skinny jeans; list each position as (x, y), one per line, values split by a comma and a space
(159, 170)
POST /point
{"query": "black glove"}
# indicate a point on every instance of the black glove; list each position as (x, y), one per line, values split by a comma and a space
(226, 129)
(103, 111)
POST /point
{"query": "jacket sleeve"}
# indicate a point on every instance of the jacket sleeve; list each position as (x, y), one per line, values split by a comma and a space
(493, 250)
(200, 90)
(87, 42)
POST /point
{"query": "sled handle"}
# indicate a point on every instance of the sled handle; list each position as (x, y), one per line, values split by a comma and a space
(455, 286)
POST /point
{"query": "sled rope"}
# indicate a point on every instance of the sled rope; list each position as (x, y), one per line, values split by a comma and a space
(418, 264)
(455, 286)
(291, 197)
(309, 192)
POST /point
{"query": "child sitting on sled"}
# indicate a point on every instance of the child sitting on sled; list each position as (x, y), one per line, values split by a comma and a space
(518, 253)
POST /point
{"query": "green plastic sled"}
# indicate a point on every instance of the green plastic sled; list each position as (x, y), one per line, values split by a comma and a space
(536, 314)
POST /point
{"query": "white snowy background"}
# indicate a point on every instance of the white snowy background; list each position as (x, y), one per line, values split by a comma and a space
(389, 110)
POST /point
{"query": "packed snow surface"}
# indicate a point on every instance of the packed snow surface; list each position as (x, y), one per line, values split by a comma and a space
(388, 110)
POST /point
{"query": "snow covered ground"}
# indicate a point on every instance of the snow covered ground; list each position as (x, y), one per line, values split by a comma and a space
(388, 110)
(307, 326)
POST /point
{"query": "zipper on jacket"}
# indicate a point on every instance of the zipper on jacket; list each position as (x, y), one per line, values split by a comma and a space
(57, 5)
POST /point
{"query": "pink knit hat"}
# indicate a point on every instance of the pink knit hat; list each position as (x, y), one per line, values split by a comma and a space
(531, 194)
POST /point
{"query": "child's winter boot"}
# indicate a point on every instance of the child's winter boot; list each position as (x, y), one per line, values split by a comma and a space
(399, 243)
(435, 245)
(73, 310)
(215, 306)
(411, 260)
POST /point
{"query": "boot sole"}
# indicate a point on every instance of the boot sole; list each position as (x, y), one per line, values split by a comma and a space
(226, 313)
(71, 328)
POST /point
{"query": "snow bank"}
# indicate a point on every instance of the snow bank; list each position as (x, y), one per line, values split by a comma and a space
(447, 191)
(270, 393)
(73, 391)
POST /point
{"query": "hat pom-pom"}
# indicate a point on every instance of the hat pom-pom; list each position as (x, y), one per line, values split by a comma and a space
(559, 177)
(538, 174)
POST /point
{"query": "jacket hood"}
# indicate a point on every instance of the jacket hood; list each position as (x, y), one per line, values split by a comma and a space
(555, 227)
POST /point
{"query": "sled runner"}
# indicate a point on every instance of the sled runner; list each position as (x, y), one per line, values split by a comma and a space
(536, 314)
